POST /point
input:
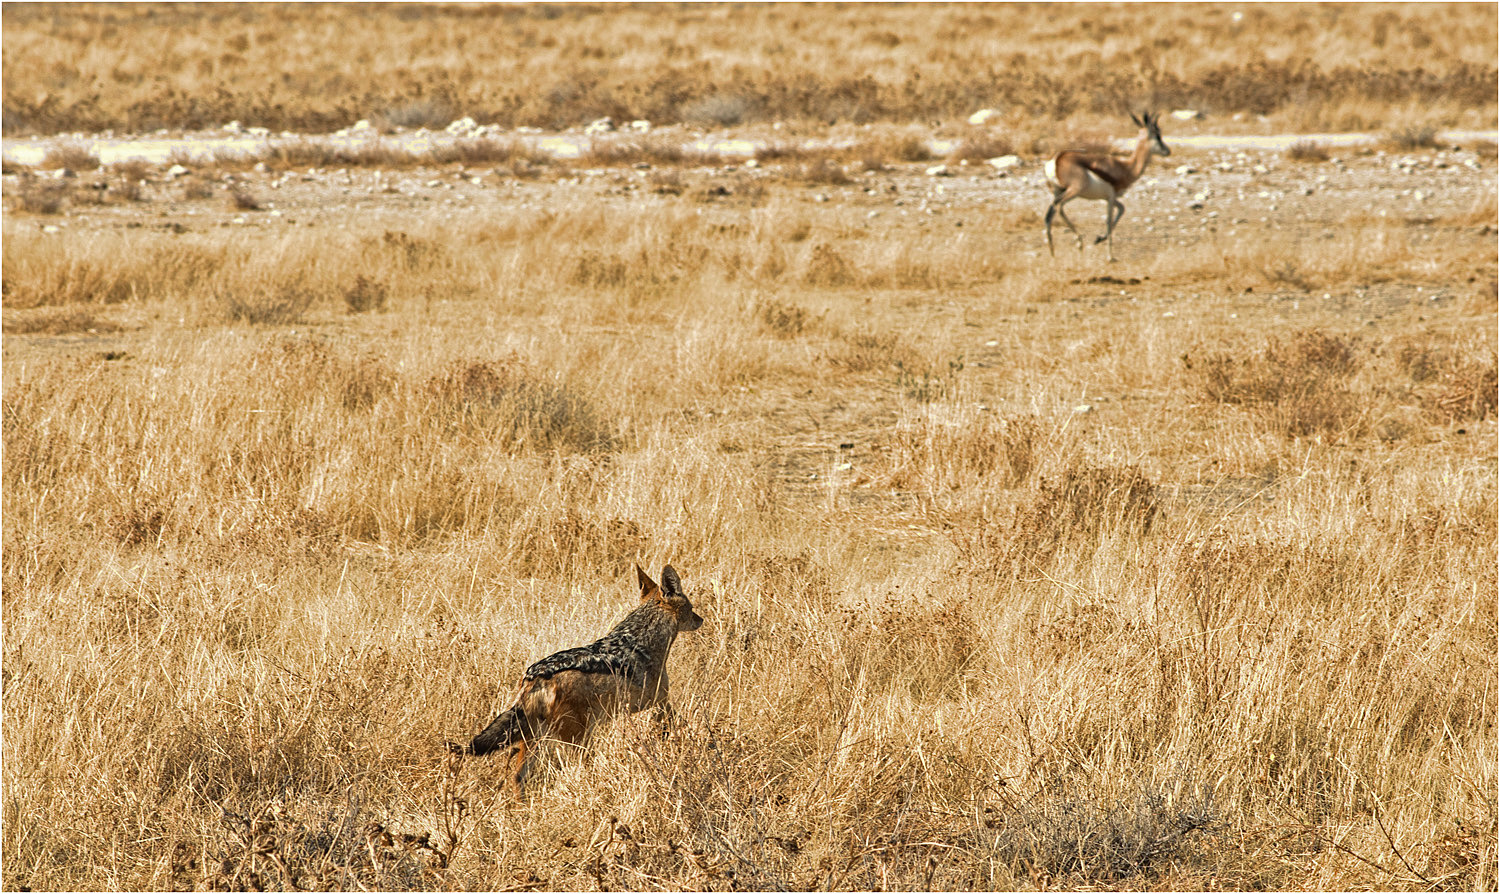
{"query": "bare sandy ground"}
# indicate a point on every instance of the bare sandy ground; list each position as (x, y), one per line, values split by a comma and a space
(234, 140)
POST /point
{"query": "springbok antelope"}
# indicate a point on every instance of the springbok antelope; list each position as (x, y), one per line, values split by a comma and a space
(1102, 177)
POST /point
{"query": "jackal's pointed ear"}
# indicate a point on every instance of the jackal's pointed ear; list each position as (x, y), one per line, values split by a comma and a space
(647, 584)
(669, 580)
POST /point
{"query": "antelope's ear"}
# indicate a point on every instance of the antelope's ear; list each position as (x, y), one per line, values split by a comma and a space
(648, 586)
(670, 582)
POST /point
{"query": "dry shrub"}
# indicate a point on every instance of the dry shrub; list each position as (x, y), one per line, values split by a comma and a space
(1300, 386)
(1411, 137)
(946, 449)
(922, 647)
(132, 169)
(1083, 505)
(197, 188)
(652, 265)
(827, 267)
(1307, 150)
(415, 253)
(1073, 840)
(342, 848)
(276, 303)
(666, 183)
(36, 195)
(431, 112)
(489, 150)
(303, 153)
(864, 351)
(296, 370)
(1220, 574)
(242, 199)
(579, 538)
(141, 524)
(507, 403)
(69, 156)
(718, 109)
(366, 294)
(784, 319)
(878, 151)
(824, 172)
(667, 150)
(1452, 385)
(129, 190)
(1467, 393)
(57, 321)
(789, 578)
(927, 382)
(44, 270)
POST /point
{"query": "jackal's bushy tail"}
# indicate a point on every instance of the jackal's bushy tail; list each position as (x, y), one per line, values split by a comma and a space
(506, 730)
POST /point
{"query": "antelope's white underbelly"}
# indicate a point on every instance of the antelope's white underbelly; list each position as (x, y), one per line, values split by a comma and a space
(1094, 186)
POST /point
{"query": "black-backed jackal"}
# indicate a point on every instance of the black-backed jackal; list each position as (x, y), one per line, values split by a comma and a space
(564, 695)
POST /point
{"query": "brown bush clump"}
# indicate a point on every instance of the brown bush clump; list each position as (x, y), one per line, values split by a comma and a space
(1299, 386)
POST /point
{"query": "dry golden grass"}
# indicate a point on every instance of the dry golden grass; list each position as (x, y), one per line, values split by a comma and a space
(1017, 573)
(315, 502)
(317, 67)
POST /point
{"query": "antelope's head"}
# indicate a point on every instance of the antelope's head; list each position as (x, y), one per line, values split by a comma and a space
(1149, 123)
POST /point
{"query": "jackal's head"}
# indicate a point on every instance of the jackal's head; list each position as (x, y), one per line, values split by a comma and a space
(670, 596)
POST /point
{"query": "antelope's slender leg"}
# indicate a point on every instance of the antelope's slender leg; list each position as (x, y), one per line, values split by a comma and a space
(1101, 176)
(1076, 235)
(1115, 211)
(1061, 197)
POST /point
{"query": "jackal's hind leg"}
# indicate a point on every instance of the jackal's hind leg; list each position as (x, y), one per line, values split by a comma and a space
(519, 768)
(665, 718)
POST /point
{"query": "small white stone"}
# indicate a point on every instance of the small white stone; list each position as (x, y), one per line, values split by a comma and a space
(983, 116)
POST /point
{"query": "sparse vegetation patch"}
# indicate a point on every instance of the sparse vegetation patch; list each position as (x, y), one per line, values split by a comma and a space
(1017, 572)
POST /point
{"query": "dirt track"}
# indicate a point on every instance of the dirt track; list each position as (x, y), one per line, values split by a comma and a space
(1197, 192)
